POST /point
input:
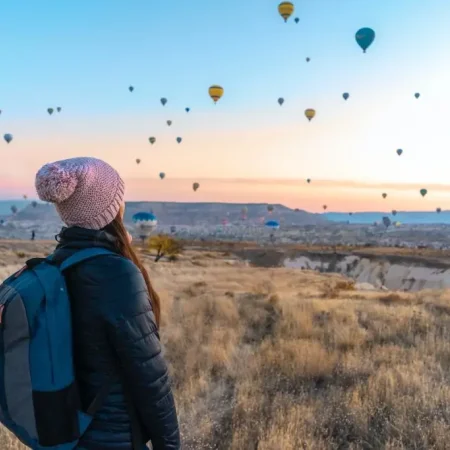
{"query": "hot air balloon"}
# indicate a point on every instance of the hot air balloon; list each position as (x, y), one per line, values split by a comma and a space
(386, 221)
(34, 203)
(145, 223)
(152, 140)
(131, 88)
(350, 214)
(138, 161)
(8, 137)
(399, 152)
(285, 9)
(324, 207)
(364, 37)
(169, 122)
(394, 212)
(162, 175)
(25, 196)
(281, 101)
(163, 101)
(384, 195)
(438, 210)
(423, 192)
(179, 140)
(272, 224)
(270, 208)
(216, 92)
(310, 114)
(187, 109)
(195, 186)
(50, 111)
(58, 109)
(14, 209)
(346, 95)
(308, 59)
(308, 180)
(417, 95)
(297, 20)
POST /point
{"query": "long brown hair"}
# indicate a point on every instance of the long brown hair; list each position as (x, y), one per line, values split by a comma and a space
(118, 230)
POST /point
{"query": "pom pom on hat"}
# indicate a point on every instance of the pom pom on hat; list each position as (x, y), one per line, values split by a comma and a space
(87, 192)
(55, 183)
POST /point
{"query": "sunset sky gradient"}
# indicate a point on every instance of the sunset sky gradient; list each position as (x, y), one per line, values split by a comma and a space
(83, 55)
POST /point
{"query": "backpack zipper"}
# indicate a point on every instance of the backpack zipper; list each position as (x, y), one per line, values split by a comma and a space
(50, 348)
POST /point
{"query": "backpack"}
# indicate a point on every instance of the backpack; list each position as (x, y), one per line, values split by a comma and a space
(39, 401)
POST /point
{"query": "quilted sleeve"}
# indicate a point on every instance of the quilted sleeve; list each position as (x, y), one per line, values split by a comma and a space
(132, 330)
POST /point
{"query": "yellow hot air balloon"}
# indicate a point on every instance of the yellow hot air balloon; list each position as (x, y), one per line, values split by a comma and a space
(310, 113)
(285, 9)
(216, 92)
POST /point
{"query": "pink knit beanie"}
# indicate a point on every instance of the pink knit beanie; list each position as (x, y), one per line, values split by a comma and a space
(87, 192)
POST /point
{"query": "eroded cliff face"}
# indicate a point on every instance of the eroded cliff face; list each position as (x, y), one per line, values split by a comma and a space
(392, 272)
(377, 272)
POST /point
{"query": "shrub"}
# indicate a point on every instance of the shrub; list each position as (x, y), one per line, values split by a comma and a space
(165, 246)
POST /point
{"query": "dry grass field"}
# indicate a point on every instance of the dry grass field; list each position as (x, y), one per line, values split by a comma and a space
(279, 359)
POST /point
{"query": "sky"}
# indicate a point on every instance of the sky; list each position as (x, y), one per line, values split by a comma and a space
(83, 55)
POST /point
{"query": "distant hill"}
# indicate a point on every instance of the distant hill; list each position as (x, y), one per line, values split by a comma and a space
(173, 213)
(406, 217)
(5, 206)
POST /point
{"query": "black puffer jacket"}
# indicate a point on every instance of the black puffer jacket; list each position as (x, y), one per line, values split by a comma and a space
(113, 325)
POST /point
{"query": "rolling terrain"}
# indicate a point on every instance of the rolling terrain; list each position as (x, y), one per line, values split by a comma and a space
(279, 358)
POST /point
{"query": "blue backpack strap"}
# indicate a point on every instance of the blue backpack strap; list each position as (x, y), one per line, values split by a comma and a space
(83, 255)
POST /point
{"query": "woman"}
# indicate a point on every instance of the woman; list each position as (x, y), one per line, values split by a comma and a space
(115, 311)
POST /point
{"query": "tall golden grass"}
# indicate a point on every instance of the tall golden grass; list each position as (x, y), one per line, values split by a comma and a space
(281, 359)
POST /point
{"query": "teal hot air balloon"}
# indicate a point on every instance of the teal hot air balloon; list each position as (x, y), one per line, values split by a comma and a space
(364, 37)
(8, 137)
(296, 20)
(162, 175)
(131, 88)
(438, 210)
(144, 223)
(386, 222)
(179, 140)
(187, 109)
(399, 152)
(50, 111)
(346, 95)
(163, 101)
(417, 95)
(281, 101)
(423, 192)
